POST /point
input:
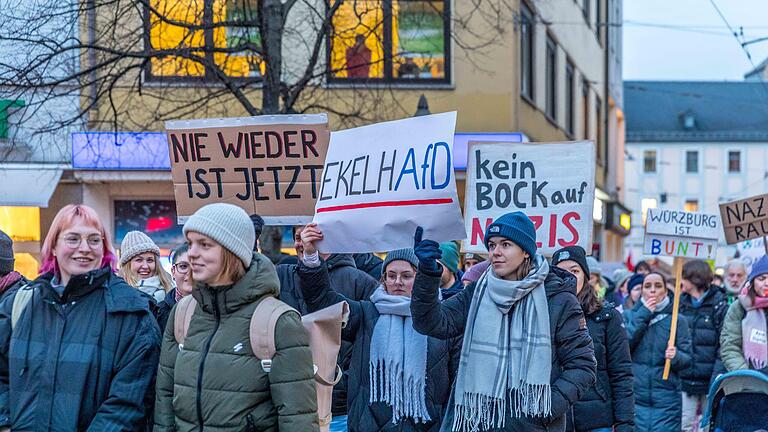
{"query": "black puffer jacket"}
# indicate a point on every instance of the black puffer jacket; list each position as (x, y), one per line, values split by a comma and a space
(705, 321)
(164, 309)
(442, 362)
(573, 357)
(609, 403)
(347, 280)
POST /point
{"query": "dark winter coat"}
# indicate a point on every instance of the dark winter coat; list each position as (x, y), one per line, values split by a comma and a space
(9, 290)
(573, 357)
(215, 382)
(705, 322)
(658, 403)
(82, 361)
(453, 289)
(370, 264)
(442, 362)
(164, 308)
(347, 280)
(609, 403)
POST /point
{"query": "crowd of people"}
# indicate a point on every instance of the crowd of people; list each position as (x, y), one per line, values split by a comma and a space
(435, 340)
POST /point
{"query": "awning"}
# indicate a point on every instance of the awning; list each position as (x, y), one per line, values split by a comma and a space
(28, 184)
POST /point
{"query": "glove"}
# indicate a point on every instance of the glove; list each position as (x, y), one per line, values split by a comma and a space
(427, 251)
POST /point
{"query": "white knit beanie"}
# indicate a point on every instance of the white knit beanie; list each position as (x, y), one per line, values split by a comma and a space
(228, 225)
(136, 243)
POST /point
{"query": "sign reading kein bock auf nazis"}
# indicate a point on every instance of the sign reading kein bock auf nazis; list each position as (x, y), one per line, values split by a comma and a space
(681, 234)
(269, 165)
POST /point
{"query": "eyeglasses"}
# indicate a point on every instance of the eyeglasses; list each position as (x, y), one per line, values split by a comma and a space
(182, 267)
(404, 277)
(73, 241)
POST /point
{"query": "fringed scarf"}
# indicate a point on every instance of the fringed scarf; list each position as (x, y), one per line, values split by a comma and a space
(753, 330)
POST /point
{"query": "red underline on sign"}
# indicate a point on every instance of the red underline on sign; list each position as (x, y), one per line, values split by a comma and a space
(386, 204)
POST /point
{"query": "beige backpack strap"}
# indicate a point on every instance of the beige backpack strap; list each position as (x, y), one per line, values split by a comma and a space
(182, 316)
(20, 301)
(262, 329)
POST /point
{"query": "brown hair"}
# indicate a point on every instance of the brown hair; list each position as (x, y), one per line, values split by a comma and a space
(525, 267)
(698, 273)
(588, 299)
(232, 267)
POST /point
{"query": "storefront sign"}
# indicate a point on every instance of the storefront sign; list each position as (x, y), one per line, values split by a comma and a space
(681, 234)
(269, 165)
(745, 219)
(619, 219)
(383, 180)
(552, 183)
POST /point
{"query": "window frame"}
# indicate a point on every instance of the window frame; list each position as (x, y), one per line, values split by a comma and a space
(550, 76)
(387, 59)
(687, 161)
(570, 93)
(585, 106)
(655, 161)
(602, 151)
(527, 75)
(728, 162)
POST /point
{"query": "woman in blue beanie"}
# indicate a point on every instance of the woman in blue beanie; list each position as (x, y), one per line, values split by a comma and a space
(526, 355)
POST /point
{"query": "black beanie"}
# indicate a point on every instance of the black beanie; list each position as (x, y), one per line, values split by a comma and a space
(572, 253)
(6, 254)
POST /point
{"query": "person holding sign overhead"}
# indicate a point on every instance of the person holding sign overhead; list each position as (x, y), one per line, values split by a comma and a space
(526, 356)
(743, 339)
(658, 403)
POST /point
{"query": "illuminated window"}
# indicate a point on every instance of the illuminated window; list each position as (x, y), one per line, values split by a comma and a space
(691, 205)
(647, 203)
(390, 40)
(232, 31)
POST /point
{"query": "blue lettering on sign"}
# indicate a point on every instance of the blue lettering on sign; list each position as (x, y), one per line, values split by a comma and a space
(655, 247)
(448, 169)
(409, 168)
(412, 170)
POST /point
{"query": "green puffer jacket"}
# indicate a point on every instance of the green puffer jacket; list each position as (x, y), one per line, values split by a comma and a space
(215, 383)
(731, 339)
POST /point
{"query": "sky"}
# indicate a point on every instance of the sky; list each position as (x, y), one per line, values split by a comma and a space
(688, 40)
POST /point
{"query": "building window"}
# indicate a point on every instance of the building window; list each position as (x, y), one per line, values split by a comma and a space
(390, 40)
(692, 161)
(598, 26)
(585, 108)
(647, 203)
(691, 205)
(526, 51)
(569, 89)
(234, 48)
(551, 93)
(649, 161)
(599, 139)
(734, 161)
(585, 6)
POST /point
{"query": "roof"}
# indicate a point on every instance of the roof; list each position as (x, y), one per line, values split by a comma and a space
(696, 111)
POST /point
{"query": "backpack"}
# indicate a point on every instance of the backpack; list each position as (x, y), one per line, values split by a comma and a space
(20, 299)
(324, 330)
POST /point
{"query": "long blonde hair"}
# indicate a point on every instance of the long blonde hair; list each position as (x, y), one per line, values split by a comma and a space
(133, 279)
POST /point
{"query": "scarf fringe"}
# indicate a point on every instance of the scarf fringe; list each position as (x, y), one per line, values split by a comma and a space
(406, 400)
(485, 412)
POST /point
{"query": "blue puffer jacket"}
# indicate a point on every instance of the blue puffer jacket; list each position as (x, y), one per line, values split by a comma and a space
(658, 403)
(82, 361)
(442, 361)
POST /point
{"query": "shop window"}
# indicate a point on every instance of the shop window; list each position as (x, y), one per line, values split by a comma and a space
(21, 224)
(230, 25)
(390, 40)
(526, 51)
(734, 161)
(649, 161)
(647, 203)
(157, 219)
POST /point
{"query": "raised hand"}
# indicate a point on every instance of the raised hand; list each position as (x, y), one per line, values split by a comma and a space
(310, 235)
(427, 251)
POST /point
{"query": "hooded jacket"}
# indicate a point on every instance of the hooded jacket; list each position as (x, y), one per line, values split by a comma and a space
(705, 320)
(370, 264)
(731, 341)
(81, 361)
(214, 382)
(573, 357)
(347, 280)
(658, 403)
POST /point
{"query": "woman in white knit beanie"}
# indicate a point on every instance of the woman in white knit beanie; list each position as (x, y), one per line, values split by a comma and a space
(140, 266)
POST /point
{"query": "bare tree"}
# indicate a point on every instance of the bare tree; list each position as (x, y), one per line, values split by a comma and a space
(136, 63)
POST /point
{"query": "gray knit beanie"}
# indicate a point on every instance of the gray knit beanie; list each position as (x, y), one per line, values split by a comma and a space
(401, 254)
(227, 224)
(6, 254)
(136, 243)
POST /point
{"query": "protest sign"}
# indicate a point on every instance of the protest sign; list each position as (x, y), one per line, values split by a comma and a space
(751, 251)
(552, 183)
(269, 165)
(681, 234)
(745, 219)
(383, 180)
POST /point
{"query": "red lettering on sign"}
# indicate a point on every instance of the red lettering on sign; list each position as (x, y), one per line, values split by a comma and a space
(478, 232)
(567, 218)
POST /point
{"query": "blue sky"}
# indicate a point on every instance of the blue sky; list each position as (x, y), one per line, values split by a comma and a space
(688, 40)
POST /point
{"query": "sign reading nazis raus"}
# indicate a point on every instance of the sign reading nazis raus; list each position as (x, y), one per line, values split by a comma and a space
(745, 219)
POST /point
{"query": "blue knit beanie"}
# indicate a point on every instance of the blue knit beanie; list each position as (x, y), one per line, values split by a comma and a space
(514, 226)
(758, 268)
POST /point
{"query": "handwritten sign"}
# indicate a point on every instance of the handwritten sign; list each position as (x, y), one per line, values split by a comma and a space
(268, 165)
(681, 234)
(552, 183)
(746, 219)
(383, 180)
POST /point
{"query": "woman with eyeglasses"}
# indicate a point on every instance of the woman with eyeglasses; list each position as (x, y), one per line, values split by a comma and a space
(182, 276)
(399, 380)
(140, 266)
(81, 353)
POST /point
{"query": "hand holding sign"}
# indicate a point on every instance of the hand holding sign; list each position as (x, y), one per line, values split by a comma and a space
(310, 235)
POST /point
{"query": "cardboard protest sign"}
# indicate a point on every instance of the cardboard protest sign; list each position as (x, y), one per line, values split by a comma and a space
(552, 183)
(383, 180)
(745, 219)
(269, 165)
(681, 234)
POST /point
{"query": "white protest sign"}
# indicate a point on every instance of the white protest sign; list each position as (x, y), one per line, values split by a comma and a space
(383, 180)
(681, 234)
(552, 183)
(750, 251)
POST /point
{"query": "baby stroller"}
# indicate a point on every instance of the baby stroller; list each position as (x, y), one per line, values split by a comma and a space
(737, 402)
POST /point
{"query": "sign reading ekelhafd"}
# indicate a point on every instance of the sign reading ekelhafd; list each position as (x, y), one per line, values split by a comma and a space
(383, 180)
(552, 183)
(684, 234)
(745, 219)
(268, 165)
